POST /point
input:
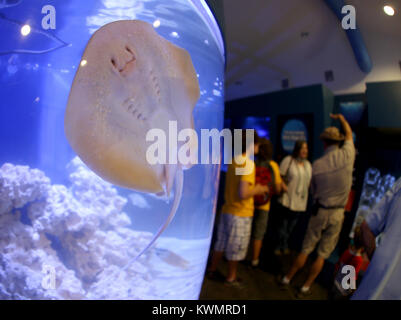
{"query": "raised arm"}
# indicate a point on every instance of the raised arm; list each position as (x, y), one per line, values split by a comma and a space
(344, 123)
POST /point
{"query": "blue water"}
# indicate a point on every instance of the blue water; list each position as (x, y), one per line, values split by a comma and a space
(34, 90)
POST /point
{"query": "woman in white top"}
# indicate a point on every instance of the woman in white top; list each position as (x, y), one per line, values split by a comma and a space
(296, 171)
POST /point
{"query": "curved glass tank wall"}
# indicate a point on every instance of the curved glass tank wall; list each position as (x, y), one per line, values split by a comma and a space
(64, 232)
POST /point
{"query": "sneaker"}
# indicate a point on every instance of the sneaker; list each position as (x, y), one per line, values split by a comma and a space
(281, 284)
(237, 283)
(255, 263)
(304, 294)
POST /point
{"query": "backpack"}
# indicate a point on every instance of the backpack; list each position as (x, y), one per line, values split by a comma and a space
(264, 176)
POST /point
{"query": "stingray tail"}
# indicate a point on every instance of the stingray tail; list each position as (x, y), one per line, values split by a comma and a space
(179, 182)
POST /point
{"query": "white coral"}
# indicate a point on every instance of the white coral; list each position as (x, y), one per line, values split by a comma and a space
(84, 222)
(20, 185)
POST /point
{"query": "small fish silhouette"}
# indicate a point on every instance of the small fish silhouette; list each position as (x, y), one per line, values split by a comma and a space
(9, 3)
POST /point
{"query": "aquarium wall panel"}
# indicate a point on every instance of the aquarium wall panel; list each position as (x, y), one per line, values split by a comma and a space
(384, 104)
(315, 99)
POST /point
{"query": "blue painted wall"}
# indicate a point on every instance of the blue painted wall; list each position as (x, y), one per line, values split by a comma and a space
(384, 104)
(315, 99)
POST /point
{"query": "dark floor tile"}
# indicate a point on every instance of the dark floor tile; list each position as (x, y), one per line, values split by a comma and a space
(258, 285)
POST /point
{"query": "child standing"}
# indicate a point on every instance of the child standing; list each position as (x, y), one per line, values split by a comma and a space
(351, 257)
(234, 228)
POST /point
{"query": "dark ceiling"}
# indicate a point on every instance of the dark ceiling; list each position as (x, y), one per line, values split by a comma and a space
(268, 41)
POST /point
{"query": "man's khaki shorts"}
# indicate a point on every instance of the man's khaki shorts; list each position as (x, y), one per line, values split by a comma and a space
(324, 227)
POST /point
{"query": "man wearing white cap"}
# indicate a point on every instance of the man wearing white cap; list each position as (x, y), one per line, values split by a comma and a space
(331, 184)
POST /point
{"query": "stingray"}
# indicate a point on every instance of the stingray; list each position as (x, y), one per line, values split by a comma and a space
(130, 80)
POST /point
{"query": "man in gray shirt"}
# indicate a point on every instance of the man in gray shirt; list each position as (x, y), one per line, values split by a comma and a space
(331, 184)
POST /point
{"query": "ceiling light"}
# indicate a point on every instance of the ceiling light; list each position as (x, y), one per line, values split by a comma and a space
(389, 10)
(25, 30)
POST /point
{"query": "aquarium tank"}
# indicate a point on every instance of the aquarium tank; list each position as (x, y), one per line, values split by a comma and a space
(66, 233)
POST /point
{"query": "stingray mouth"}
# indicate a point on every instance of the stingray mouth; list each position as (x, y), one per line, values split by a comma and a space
(125, 65)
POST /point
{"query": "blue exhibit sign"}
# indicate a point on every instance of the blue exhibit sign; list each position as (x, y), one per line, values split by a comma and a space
(292, 131)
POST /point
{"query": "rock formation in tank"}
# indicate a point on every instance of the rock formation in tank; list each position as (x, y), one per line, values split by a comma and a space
(79, 232)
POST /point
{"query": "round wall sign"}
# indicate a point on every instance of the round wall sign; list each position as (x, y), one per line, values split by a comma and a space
(292, 131)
